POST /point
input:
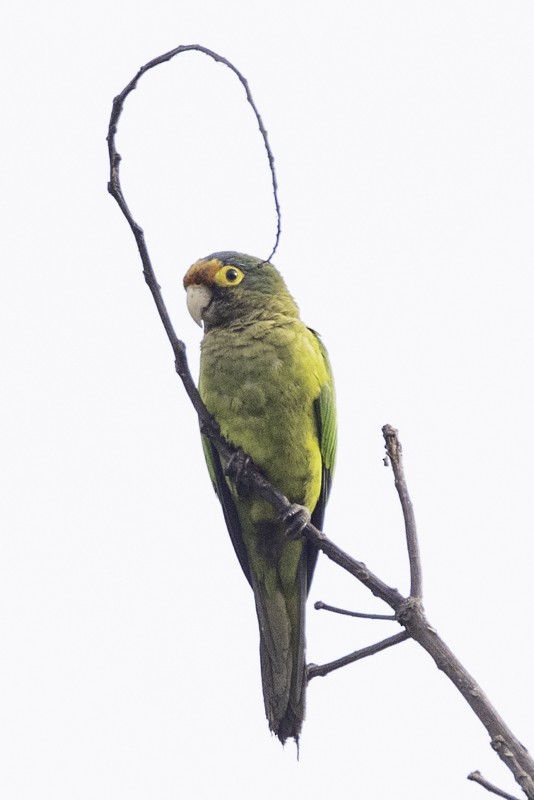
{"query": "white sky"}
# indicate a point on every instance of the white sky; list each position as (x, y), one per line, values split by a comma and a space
(403, 135)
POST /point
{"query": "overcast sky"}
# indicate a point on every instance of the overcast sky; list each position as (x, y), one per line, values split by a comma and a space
(403, 135)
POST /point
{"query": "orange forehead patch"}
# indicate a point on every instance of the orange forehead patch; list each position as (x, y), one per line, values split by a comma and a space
(202, 271)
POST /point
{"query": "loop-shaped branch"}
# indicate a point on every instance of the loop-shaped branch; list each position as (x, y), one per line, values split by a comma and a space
(114, 185)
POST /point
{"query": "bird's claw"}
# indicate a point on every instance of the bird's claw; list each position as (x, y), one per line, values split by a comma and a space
(295, 520)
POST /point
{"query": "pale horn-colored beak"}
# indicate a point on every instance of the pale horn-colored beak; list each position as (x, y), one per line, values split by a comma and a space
(198, 299)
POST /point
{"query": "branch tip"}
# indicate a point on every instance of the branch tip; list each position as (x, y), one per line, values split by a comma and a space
(394, 454)
(478, 778)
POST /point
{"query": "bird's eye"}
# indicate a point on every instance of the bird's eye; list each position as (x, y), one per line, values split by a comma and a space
(229, 276)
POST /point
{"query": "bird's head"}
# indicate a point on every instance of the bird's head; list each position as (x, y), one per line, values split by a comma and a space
(225, 288)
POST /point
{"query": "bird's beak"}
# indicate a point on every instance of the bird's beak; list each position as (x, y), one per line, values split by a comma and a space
(198, 299)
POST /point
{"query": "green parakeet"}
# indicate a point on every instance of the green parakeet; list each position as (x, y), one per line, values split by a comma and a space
(265, 378)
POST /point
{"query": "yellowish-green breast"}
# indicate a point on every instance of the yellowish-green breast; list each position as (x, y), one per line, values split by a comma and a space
(260, 382)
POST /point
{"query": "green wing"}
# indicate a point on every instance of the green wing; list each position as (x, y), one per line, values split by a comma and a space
(325, 412)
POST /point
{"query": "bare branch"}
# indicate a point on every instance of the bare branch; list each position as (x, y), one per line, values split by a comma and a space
(478, 778)
(394, 454)
(320, 606)
(412, 616)
(503, 741)
(319, 671)
(408, 611)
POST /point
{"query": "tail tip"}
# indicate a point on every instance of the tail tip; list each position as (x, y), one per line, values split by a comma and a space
(288, 727)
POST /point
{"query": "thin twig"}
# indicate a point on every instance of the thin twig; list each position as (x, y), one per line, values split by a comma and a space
(319, 671)
(320, 606)
(394, 452)
(478, 778)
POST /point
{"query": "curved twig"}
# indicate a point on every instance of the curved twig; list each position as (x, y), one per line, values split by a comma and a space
(114, 186)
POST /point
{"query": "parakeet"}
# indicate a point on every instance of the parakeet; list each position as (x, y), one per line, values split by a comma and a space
(266, 379)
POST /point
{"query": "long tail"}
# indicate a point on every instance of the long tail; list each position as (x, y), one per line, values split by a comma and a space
(281, 617)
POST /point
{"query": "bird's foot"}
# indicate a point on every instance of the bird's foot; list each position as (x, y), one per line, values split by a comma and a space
(295, 520)
(236, 470)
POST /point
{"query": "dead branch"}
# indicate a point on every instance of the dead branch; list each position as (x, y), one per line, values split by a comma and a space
(408, 610)
(412, 616)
